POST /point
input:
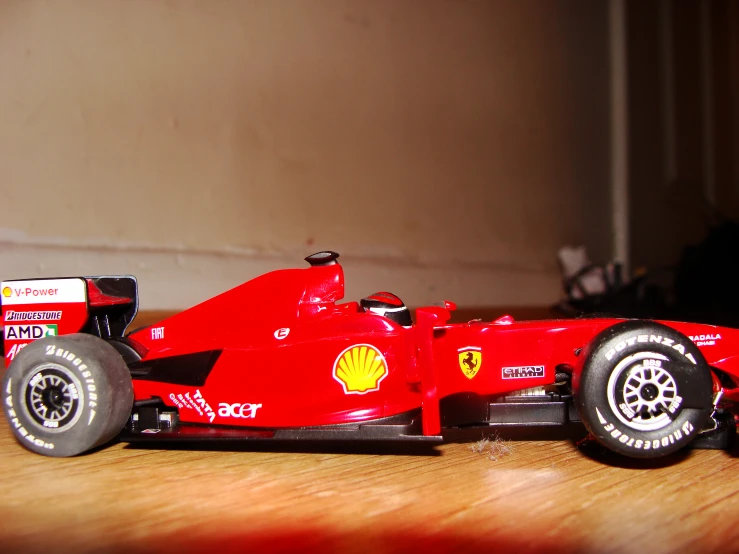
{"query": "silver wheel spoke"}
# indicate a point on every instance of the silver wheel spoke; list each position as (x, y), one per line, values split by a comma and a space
(52, 397)
(647, 394)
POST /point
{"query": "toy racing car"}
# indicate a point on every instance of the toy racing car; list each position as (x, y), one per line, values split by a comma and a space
(278, 358)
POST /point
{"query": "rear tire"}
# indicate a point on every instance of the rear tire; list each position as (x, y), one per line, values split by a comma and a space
(65, 395)
(644, 390)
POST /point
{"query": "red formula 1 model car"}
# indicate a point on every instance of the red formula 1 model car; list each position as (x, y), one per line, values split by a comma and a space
(278, 358)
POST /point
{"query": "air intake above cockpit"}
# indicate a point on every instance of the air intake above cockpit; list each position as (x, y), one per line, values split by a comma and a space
(326, 257)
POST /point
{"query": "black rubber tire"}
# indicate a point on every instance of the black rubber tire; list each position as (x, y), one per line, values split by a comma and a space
(620, 365)
(65, 395)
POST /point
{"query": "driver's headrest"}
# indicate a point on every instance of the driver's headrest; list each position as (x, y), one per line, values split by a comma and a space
(388, 305)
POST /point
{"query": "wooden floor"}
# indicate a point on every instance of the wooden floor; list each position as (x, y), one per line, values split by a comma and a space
(535, 496)
(542, 496)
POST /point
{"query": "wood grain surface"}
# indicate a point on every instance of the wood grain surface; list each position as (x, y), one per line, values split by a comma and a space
(542, 496)
(535, 496)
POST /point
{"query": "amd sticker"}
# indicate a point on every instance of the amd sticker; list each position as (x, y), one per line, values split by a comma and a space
(30, 332)
(523, 372)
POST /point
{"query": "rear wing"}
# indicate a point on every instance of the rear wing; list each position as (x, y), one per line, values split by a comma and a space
(35, 308)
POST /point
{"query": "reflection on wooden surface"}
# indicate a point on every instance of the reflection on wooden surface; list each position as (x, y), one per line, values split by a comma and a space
(543, 496)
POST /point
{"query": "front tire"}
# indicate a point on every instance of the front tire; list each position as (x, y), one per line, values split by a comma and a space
(644, 390)
(65, 395)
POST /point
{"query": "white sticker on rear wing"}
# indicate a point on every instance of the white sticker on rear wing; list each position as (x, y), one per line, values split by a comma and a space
(43, 291)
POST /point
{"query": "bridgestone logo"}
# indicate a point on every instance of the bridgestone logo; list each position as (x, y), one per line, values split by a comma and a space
(640, 444)
(523, 372)
(12, 315)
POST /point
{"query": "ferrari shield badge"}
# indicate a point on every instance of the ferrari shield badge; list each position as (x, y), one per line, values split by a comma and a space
(470, 360)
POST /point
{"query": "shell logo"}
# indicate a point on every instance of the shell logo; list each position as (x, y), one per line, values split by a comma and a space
(360, 368)
(7, 292)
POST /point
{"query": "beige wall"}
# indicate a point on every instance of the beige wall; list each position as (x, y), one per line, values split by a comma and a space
(445, 148)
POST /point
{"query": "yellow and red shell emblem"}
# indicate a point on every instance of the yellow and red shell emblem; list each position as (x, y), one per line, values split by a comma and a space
(360, 368)
(7, 292)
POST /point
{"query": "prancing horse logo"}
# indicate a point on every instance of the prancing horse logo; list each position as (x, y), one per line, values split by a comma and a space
(470, 360)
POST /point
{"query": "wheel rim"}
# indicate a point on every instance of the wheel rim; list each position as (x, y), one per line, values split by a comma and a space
(642, 393)
(53, 397)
